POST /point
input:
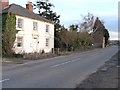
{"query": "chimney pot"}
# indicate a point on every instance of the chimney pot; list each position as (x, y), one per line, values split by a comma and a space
(29, 6)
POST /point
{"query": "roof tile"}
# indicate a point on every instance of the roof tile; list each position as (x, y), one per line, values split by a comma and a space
(21, 11)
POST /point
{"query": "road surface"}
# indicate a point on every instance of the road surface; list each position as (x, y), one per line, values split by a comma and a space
(58, 72)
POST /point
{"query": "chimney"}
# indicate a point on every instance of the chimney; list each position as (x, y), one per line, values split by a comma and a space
(29, 6)
(4, 3)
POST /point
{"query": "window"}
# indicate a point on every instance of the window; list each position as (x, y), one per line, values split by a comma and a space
(35, 25)
(19, 41)
(47, 28)
(20, 23)
(47, 42)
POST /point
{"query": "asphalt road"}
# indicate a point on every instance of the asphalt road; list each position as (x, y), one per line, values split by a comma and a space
(58, 72)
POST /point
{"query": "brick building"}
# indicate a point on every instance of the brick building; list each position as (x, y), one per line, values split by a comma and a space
(98, 34)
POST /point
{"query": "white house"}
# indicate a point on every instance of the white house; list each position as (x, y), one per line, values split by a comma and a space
(35, 33)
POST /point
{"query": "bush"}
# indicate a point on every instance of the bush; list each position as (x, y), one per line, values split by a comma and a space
(36, 56)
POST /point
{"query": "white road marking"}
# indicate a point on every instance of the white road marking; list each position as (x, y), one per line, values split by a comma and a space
(57, 65)
(4, 80)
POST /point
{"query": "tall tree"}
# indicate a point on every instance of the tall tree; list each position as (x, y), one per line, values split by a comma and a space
(8, 34)
(45, 10)
(106, 35)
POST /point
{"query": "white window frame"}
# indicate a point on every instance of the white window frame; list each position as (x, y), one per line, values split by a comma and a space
(19, 41)
(47, 28)
(20, 23)
(47, 42)
(35, 26)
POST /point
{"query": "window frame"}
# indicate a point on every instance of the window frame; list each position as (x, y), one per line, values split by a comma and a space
(47, 42)
(20, 23)
(35, 26)
(47, 28)
(19, 42)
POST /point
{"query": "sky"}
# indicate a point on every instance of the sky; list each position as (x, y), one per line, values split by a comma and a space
(72, 11)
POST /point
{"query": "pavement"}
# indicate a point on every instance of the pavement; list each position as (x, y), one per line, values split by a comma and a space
(58, 72)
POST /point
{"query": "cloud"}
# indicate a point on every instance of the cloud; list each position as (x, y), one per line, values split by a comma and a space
(114, 35)
(107, 13)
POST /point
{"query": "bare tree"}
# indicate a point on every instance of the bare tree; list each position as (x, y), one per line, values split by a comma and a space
(88, 23)
(64, 36)
(68, 38)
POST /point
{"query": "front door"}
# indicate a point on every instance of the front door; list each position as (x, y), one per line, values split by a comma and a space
(35, 44)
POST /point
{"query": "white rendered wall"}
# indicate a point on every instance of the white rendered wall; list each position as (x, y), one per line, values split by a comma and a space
(28, 33)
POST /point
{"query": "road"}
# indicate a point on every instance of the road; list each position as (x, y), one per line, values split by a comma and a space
(58, 72)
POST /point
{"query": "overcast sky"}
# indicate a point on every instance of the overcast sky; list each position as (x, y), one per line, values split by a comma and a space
(71, 12)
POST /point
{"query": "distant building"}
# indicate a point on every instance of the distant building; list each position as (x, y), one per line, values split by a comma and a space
(35, 33)
(98, 34)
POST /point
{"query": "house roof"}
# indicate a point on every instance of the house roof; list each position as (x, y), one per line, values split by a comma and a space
(21, 11)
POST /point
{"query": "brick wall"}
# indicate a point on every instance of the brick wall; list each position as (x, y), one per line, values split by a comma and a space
(98, 33)
(29, 6)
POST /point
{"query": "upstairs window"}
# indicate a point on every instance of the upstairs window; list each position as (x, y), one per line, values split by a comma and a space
(19, 41)
(35, 26)
(47, 28)
(20, 23)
